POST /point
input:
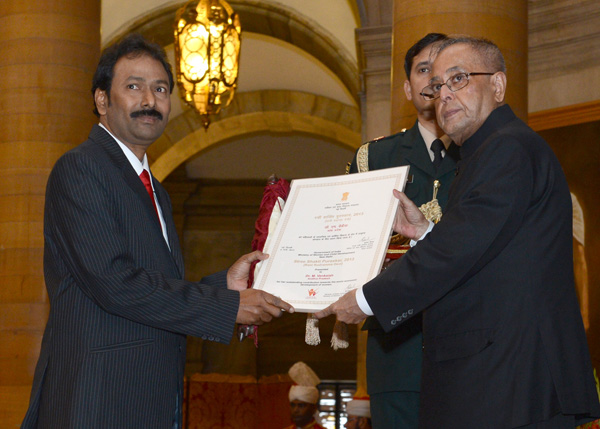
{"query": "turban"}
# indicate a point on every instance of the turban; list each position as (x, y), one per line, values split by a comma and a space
(359, 407)
(306, 394)
(306, 382)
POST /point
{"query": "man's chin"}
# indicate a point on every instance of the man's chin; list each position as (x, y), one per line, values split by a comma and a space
(301, 422)
(150, 132)
(451, 125)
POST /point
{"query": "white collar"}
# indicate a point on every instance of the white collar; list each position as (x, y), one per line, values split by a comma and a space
(131, 157)
(429, 137)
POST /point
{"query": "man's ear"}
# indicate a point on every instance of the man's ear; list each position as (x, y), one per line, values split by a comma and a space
(101, 100)
(407, 90)
(499, 81)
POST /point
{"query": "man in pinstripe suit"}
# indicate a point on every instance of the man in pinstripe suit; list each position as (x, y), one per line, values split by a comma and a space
(113, 351)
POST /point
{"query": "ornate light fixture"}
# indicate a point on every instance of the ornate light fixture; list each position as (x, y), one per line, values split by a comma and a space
(207, 53)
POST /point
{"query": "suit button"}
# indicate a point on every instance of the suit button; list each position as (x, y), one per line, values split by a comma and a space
(211, 338)
(393, 322)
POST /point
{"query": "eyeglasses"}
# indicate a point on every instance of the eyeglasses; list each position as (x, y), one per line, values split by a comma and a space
(454, 83)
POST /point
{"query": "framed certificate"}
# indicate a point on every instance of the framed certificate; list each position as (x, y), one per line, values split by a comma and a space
(331, 238)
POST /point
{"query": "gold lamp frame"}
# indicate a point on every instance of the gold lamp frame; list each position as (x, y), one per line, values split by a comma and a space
(207, 53)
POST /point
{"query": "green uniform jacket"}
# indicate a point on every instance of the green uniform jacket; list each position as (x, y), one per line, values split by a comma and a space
(394, 359)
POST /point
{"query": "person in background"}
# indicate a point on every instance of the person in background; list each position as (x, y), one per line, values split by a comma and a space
(359, 414)
(304, 397)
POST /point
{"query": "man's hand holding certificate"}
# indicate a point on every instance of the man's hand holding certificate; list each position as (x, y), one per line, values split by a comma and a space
(331, 238)
(409, 222)
(346, 310)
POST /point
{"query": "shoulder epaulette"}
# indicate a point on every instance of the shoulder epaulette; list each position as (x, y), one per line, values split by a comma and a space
(376, 139)
(402, 131)
(362, 155)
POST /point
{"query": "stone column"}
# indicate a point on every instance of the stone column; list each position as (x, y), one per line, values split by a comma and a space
(375, 45)
(505, 23)
(48, 53)
(375, 50)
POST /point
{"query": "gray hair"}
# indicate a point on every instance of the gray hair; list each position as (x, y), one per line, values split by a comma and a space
(488, 51)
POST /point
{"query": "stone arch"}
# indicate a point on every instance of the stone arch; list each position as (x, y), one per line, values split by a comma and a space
(267, 19)
(275, 111)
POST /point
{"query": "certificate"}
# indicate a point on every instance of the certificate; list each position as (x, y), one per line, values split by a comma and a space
(331, 238)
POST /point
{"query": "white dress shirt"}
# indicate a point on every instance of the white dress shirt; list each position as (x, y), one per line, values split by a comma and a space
(139, 167)
(429, 137)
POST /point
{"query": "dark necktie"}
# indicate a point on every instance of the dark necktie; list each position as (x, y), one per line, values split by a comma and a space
(145, 177)
(436, 148)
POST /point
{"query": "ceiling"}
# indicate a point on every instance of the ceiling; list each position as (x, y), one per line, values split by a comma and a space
(266, 63)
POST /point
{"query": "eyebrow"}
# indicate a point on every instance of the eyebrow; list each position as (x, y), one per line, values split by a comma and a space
(455, 68)
(423, 63)
(451, 69)
(141, 79)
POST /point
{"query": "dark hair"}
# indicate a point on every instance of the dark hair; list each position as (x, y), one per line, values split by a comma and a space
(418, 47)
(131, 46)
(488, 51)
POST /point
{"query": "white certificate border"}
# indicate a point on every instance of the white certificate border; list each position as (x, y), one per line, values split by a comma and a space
(398, 173)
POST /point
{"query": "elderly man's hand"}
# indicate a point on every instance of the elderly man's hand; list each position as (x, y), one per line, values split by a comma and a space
(409, 222)
(346, 309)
(258, 307)
(237, 275)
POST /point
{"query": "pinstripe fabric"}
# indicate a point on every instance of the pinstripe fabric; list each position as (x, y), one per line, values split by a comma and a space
(113, 351)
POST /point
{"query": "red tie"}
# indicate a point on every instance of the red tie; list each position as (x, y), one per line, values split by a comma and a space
(145, 177)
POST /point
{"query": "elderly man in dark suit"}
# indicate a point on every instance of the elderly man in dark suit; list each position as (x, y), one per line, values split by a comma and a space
(113, 351)
(504, 345)
(394, 358)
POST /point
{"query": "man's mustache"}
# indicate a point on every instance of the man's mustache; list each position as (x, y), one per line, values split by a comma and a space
(148, 112)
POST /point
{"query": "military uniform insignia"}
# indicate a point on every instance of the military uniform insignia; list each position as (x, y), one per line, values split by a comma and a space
(399, 244)
(432, 210)
(362, 156)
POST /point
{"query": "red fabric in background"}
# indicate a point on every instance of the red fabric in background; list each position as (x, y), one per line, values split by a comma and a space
(234, 401)
(273, 190)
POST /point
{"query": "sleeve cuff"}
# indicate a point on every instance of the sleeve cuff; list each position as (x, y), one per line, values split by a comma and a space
(362, 302)
(413, 243)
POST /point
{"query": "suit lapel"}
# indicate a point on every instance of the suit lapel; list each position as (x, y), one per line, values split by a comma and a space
(118, 158)
(167, 212)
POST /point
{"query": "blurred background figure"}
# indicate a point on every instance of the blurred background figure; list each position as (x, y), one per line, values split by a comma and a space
(359, 414)
(304, 397)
